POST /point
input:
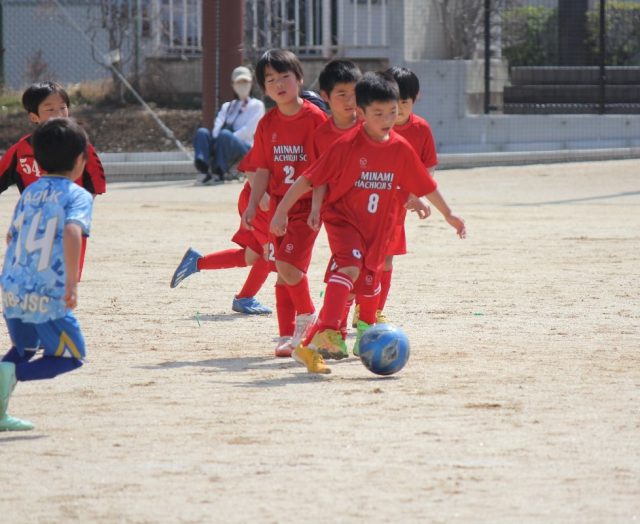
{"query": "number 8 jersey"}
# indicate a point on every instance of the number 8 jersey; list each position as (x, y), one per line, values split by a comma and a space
(34, 273)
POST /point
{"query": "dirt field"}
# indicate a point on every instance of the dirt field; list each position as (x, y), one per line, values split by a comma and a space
(520, 403)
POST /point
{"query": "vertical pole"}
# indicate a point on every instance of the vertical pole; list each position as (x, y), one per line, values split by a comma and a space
(210, 88)
(1, 49)
(603, 56)
(487, 56)
(326, 28)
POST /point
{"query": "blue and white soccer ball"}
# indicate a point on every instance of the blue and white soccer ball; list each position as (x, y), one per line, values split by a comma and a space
(384, 349)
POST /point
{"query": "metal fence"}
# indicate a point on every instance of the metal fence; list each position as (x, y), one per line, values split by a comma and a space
(563, 56)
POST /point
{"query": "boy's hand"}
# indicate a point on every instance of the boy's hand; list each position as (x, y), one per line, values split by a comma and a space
(248, 216)
(314, 219)
(71, 295)
(458, 224)
(279, 223)
(265, 202)
(419, 206)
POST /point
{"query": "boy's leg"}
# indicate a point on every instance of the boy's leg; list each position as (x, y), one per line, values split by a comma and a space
(368, 309)
(64, 350)
(24, 336)
(385, 285)
(224, 259)
(229, 150)
(187, 266)
(286, 314)
(245, 301)
(202, 142)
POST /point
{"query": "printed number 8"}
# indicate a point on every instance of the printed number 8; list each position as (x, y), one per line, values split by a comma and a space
(372, 206)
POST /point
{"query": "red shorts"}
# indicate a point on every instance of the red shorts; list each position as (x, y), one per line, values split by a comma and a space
(296, 245)
(398, 243)
(349, 249)
(253, 239)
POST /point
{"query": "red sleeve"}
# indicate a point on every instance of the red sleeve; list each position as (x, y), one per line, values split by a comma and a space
(416, 179)
(324, 168)
(93, 178)
(429, 154)
(259, 156)
(8, 172)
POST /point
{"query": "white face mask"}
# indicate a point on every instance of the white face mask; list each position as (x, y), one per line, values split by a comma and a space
(242, 89)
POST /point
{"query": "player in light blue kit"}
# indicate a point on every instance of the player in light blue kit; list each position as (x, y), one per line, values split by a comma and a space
(39, 279)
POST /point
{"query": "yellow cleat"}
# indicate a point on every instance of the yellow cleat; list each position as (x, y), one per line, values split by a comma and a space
(330, 344)
(380, 318)
(311, 359)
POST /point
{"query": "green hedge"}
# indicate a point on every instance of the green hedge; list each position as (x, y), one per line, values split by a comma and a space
(530, 35)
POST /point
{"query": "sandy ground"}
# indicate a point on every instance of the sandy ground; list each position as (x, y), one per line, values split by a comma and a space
(520, 402)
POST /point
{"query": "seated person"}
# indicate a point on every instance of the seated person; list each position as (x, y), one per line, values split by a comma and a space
(233, 129)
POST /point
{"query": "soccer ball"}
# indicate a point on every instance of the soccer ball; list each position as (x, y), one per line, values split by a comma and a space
(384, 349)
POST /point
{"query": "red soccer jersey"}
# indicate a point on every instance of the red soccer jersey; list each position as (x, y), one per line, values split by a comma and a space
(18, 166)
(418, 133)
(284, 145)
(363, 177)
(326, 135)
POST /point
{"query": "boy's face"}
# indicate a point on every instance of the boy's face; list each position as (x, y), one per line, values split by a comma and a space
(282, 88)
(51, 107)
(379, 118)
(405, 108)
(342, 102)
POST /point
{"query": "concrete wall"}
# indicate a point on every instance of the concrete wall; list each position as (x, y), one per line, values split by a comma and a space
(444, 105)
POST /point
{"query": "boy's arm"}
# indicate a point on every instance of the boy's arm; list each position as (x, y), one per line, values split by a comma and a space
(8, 172)
(279, 220)
(456, 222)
(258, 189)
(72, 241)
(317, 197)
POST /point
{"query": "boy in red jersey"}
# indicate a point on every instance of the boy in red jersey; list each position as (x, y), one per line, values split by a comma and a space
(251, 252)
(364, 173)
(337, 82)
(18, 166)
(282, 150)
(418, 133)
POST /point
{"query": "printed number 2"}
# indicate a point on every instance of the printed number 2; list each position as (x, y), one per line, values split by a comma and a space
(31, 244)
(289, 171)
(271, 257)
(372, 205)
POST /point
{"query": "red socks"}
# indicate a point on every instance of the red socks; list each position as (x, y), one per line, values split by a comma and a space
(301, 296)
(223, 259)
(339, 287)
(368, 308)
(285, 311)
(385, 283)
(257, 276)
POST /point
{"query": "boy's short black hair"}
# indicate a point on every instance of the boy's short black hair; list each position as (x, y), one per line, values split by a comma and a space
(36, 93)
(408, 82)
(338, 72)
(376, 87)
(282, 60)
(57, 144)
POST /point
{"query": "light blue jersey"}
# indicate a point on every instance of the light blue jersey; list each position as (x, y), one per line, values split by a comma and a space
(34, 274)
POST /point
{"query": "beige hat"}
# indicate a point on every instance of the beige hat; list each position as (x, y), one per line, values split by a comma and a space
(241, 73)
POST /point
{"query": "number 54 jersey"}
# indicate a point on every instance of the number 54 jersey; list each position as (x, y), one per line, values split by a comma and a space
(34, 273)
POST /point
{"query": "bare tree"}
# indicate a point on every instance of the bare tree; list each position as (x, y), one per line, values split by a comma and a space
(463, 24)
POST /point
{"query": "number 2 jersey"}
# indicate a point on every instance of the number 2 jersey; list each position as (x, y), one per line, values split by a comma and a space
(284, 145)
(18, 166)
(34, 273)
(363, 178)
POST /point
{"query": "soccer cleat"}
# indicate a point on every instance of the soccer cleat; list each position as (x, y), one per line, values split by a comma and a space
(312, 360)
(284, 349)
(362, 328)
(7, 383)
(303, 325)
(356, 316)
(9, 423)
(381, 318)
(330, 344)
(188, 266)
(249, 306)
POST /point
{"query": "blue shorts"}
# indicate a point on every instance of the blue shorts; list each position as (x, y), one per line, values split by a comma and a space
(60, 337)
